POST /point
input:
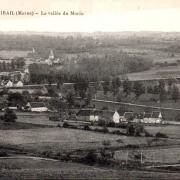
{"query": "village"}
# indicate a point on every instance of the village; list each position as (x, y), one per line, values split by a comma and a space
(17, 83)
(54, 113)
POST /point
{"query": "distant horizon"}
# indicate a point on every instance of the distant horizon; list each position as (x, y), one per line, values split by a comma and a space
(90, 32)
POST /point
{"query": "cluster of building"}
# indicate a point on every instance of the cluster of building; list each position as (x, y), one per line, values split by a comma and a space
(30, 107)
(51, 60)
(154, 117)
(14, 78)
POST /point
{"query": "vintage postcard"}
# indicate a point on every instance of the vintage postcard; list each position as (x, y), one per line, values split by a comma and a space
(90, 89)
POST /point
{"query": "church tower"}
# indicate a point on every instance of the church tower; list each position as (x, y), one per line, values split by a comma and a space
(51, 54)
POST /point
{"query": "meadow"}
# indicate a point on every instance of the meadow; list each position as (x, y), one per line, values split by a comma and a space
(24, 168)
(152, 155)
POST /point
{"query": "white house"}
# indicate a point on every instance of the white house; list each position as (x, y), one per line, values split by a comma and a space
(9, 84)
(19, 84)
(94, 118)
(37, 107)
(51, 55)
(116, 117)
(2, 83)
(48, 61)
(154, 118)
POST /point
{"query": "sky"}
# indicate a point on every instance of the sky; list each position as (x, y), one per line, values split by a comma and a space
(99, 15)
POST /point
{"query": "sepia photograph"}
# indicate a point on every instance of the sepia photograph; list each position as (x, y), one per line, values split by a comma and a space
(90, 89)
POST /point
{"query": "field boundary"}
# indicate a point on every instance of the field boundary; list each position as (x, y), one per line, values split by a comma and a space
(137, 105)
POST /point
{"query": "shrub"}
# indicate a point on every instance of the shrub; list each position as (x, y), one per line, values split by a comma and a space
(101, 122)
(130, 130)
(111, 124)
(91, 157)
(161, 135)
(104, 108)
(46, 153)
(105, 130)
(3, 153)
(147, 134)
(118, 132)
(59, 125)
(1, 118)
(87, 128)
(119, 141)
(9, 116)
(65, 125)
(123, 126)
(106, 143)
(132, 146)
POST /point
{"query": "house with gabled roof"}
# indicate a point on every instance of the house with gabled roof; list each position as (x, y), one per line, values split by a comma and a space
(154, 117)
(36, 107)
(88, 115)
(19, 84)
(126, 117)
(116, 117)
(9, 84)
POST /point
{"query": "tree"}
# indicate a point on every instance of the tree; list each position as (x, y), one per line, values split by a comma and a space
(69, 98)
(9, 116)
(127, 87)
(138, 88)
(26, 96)
(91, 157)
(175, 93)
(162, 91)
(105, 87)
(51, 91)
(115, 84)
(81, 86)
(15, 99)
(20, 62)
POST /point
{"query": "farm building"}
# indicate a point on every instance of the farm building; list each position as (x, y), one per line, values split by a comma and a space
(19, 84)
(116, 117)
(15, 76)
(9, 84)
(154, 117)
(36, 107)
(34, 89)
(88, 115)
(128, 116)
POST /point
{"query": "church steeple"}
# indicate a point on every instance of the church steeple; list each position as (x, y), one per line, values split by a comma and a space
(33, 50)
(51, 54)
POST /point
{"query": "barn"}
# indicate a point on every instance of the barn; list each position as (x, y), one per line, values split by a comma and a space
(36, 107)
(88, 115)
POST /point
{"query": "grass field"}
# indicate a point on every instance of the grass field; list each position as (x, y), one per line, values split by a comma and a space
(40, 169)
(154, 155)
(20, 125)
(14, 53)
(171, 130)
(63, 140)
(157, 73)
(54, 139)
(36, 119)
